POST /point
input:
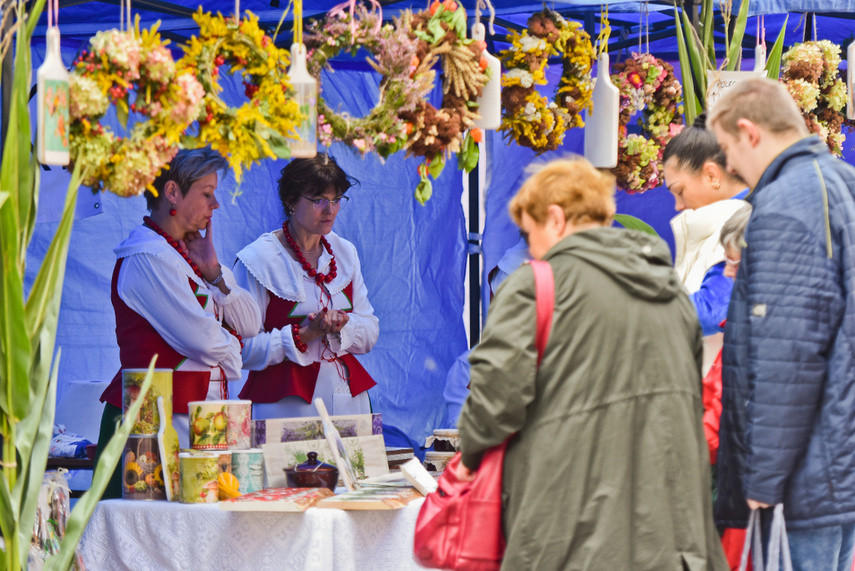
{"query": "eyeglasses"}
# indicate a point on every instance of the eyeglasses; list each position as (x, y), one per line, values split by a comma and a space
(322, 203)
(731, 262)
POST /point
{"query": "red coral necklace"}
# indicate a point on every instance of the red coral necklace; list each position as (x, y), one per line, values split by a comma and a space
(313, 273)
(174, 243)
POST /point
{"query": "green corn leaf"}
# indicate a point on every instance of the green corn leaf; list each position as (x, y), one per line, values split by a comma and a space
(107, 462)
(699, 67)
(773, 61)
(38, 426)
(633, 223)
(47, 288)
(692, 106)
(709, 38)
(734, 53)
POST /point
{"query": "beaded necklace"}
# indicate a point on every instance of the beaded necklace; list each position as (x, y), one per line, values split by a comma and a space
(174, 243)
(313, 273)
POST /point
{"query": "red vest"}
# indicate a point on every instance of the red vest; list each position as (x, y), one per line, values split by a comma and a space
(288, 378)
(139, 342)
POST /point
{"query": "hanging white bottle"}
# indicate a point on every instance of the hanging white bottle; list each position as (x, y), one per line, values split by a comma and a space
(53, 101)
(490, 102)
(306, 93)
(601, 125)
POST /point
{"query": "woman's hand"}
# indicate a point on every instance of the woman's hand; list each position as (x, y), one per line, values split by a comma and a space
(324, 322)
(333, 321)
(463, 473)
(201, 251)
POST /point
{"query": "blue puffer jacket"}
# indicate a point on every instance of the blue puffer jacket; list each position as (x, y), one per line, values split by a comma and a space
(788, 401)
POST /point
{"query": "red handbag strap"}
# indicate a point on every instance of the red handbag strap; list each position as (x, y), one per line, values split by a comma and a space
(544, 295)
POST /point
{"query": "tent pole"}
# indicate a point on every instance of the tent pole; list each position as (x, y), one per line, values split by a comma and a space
(809, 19)
(474, 259)
(6, 76)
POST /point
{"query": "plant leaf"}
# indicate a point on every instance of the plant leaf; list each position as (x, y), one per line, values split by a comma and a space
(424, 191)
(698, 66)
(690, 97)
(709, 37)
(773, 62)
(33, 443)
(734, 54)
(107, 462)
(633, 223)
(436, 166)
(467, 159)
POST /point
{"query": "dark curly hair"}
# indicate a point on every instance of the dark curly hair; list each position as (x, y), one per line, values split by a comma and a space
(311, 177)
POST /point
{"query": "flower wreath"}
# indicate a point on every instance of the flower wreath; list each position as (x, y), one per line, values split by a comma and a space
(117, 64)
(405, 55)
(810, 73)
(531, 119)
(646, 84)
(261, 126)
(441, 31)
(394, 51)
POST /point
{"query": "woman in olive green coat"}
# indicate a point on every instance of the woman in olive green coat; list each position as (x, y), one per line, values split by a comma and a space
(607, 467)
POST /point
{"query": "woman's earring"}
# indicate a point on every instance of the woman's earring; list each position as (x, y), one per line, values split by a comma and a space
(716, 184)
(172, 211)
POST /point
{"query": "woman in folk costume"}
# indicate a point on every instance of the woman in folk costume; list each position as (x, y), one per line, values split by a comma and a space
(606, 465)
(172, 297)
(706, 196)
(308, 282)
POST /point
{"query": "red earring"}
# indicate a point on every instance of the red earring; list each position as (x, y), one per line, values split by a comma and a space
(172, 212)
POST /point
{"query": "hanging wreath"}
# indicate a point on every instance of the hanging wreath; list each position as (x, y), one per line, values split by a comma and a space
(405, 54)
(434, 133)
(810, 72)
(117, 65)
(261, 127)
(647, 84)
(394, 53)
(529, 118)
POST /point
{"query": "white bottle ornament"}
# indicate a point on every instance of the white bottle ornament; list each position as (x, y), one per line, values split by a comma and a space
(601, 126)
(306, 91)
(490, 102)
(850, 80)
(53, 101)
(760, 59)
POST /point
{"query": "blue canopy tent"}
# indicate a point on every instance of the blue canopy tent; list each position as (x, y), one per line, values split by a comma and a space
(414, 257)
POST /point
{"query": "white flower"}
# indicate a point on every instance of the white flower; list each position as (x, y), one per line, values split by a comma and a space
(531, 43)
(526, 79)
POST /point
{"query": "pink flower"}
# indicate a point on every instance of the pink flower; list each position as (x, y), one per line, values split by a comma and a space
(675, 129)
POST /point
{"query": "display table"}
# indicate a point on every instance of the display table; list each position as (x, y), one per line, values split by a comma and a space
(158, 535)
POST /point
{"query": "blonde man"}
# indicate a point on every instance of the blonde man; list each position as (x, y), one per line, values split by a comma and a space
(788, 402)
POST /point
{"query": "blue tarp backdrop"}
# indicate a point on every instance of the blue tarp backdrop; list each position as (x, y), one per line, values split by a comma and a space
(413, 257)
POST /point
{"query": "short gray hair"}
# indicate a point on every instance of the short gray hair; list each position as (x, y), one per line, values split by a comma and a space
(188, 166)
(733, 231)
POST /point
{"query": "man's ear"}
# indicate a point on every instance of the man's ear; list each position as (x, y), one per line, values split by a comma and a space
(750, 130)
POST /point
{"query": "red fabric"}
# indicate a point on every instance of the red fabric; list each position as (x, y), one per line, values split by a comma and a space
(290, 379)
(459, 526)
(733, 540)
(712, 406)
(139, 342)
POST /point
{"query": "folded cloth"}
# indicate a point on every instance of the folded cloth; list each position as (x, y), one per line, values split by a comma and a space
(65, 444)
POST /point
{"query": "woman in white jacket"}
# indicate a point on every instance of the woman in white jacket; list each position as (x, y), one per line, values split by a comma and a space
(706, 196)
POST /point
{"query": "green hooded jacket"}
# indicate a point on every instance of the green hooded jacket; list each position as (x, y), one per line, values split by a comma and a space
(607, 467)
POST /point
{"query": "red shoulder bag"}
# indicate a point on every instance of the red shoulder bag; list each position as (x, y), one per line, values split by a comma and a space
(459, 526)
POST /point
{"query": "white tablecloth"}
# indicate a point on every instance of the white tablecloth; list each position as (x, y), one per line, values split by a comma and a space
(157, 535)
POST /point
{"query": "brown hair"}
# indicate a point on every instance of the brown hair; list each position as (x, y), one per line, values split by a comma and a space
(584, 193)
(764, 102)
